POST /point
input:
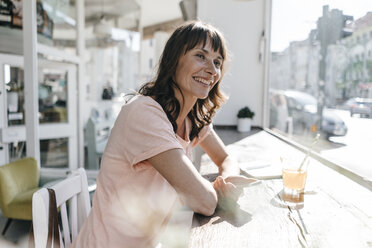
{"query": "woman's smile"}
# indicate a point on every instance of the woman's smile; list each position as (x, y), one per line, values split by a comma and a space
(203, 81)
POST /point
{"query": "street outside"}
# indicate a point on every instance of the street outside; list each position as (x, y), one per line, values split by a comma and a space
(352, 151)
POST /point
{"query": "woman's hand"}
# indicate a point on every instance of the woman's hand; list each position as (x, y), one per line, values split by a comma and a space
(229, 189)
(240, 181)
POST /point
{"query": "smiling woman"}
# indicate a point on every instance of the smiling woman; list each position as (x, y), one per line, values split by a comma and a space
(146, 168)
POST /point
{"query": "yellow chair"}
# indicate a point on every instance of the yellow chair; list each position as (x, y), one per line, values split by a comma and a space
(18, 181)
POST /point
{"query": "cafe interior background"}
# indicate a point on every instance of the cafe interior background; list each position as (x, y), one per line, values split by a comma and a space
(301, 67)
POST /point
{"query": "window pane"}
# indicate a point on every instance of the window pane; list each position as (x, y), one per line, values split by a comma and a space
(53, 96)
(321, 78)
(54, 153)
(13, 78)
(52, 93)
(56, 20)
(17, 150)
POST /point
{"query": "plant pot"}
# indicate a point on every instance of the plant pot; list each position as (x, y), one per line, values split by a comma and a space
(244, 125)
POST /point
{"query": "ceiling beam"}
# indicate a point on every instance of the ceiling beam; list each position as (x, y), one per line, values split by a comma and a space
(168, 26)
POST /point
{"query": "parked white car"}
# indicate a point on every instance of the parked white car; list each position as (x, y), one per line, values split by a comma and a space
(302, 109)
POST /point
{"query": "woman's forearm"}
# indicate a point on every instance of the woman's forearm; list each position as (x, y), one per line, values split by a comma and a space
(229, 167)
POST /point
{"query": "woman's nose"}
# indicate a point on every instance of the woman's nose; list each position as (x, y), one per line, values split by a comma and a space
(211, 68)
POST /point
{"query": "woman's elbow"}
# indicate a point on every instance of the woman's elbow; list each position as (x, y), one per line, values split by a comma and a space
(208, 211)
(209, 204)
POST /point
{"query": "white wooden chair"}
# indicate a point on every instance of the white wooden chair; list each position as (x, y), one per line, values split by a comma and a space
(73, 190)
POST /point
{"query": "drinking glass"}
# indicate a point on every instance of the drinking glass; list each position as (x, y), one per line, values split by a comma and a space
(294, 177)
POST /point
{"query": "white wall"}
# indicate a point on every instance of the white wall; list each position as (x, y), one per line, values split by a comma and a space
(147, 53)
(242, 23)
(152, 49)
(160, 38)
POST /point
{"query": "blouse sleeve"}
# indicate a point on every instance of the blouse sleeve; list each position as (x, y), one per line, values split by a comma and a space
(146, 131)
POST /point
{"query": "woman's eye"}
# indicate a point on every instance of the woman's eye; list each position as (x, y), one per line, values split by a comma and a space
(217, 64)
(200, 56)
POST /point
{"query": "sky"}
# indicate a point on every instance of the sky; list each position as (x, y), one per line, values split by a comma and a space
(292, 20)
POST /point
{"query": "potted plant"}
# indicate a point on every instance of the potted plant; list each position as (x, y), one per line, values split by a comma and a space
(245, 116)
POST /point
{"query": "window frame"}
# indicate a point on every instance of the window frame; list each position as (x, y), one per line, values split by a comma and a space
(363, 181)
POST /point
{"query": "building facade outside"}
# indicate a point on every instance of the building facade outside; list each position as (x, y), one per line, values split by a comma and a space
(334, 63)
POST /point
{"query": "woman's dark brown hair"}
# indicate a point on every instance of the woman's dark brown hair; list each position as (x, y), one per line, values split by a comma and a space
(183, 39)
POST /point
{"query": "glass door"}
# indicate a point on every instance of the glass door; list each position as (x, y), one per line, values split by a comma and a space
(57, 114)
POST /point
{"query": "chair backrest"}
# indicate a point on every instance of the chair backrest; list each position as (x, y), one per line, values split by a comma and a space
(17, 177)
(73, 190)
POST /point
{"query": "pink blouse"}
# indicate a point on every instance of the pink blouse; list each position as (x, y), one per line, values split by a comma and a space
(133, 202)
